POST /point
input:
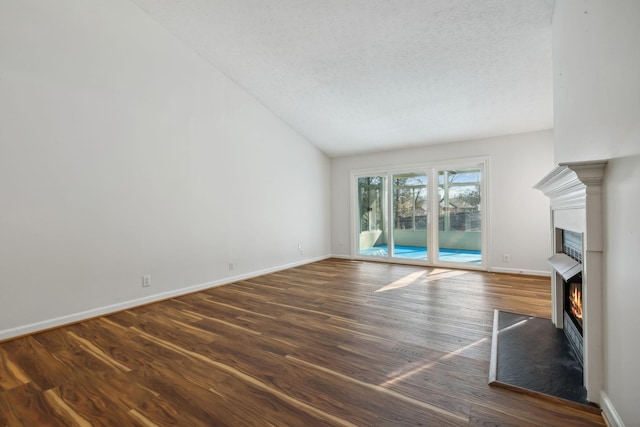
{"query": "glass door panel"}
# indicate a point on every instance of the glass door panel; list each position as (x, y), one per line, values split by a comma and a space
(372, 237)
(409, 216)
(459, 215)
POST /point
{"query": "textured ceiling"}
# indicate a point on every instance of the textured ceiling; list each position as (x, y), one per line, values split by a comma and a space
(354, 76)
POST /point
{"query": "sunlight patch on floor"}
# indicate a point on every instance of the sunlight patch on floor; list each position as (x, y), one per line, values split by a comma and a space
(405, 281)
(410, 279)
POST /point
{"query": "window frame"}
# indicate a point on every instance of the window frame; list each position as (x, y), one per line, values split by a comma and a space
(431, 169)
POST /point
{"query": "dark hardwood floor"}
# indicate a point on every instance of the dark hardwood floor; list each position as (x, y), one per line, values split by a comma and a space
(336, 343)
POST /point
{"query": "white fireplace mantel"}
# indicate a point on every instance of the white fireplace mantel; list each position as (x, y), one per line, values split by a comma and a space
(575, 191)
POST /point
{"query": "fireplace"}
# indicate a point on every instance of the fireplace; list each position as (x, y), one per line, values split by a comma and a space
(574, 190)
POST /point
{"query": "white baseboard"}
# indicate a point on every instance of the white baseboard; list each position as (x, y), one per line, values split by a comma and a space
(470, 266)
(518, 271)
(113, 308)
(611, 416)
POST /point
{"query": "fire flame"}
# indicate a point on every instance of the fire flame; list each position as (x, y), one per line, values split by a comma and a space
(575, 298)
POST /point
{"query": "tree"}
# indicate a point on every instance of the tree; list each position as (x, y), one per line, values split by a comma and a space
(471, 197)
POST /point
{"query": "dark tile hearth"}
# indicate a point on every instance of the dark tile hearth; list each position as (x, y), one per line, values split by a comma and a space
(534, 356)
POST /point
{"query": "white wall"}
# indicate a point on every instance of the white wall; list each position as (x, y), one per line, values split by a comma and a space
(597, 116)
(122, 153)
(519, 223)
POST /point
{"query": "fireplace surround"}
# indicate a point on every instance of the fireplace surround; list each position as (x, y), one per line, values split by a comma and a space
(575, 193)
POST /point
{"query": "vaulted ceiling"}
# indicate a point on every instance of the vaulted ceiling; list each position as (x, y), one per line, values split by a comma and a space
(355, 76)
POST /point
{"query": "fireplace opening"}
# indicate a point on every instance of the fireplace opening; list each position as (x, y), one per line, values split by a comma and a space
(572, 290)
(573, 301)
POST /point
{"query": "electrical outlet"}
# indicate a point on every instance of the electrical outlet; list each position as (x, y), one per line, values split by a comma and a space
(230, 266)
(506, 257)
(146, 281)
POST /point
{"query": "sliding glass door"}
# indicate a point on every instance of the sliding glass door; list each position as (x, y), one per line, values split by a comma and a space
(460, 215)
(372, 202)
(409, 216)
(431, 215)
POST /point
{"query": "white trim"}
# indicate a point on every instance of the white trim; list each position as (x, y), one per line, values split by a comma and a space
(524, 272)
(433, 215)
(419, 263)
(611, 416)
(486, 215)
(353, 217)
(411, 167)
(453, 266)
(493, 362)
(113, 308)
(541, 273)
(388, 216)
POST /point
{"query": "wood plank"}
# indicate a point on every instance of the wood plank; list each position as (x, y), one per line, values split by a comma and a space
(334, 342)
(36, 362)
(11, 375)
(28, 406)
